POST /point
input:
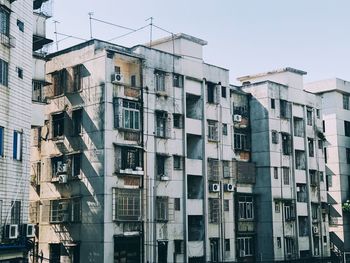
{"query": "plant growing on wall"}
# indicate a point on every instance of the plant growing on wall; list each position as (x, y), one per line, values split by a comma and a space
(346, 206)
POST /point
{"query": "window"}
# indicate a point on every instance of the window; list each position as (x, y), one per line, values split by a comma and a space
(177, 162)
(75, 165)
(19, 72)
(37, 91)
(320, 144)
(179, 246)
(55, 253)
(277, 207)
(159, 80)
(346, 105)
(313, 177)
(16, 212)
(162, 208)
(324, 126)
(4, 21)
(212, 130)
(347, 128)
(298, 127)
(195, 228)
(3, 72)
(126, 114)
(211, 92)
(272, 103)
(311, 147)
(288, 212)
(241, 141)
(59, 79)
(245, 246)
(77, 77)
(161, 123)
(194, 187)
(77, 121)
(224, 129)
(213, 169)
(133, 80)
(318, 115)
(285, 109)
(58, 125)
(130, 158)
(226, 205)
(59, 211)
(227, 245)
(177, 80)
(17, 145)
(2, 141)
(285, 171)
(177, 204)
(245, 207)
(57, 166)
(116, 69)
(177, 120)
(321, 176)
(303, 226)
(226, 169)
(65, 210)
(274, 135)
(275, 172)
(289, 245)
(286, 144)
(223, 92)
(20, 25)
(127, 204)
(279, 243)
(301, 193)
(213, 210)
(347, 155)
(309, 116)
(300, 160)
(314, 211)
(160, 162)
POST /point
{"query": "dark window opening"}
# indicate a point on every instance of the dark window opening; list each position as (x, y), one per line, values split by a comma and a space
(58, 124)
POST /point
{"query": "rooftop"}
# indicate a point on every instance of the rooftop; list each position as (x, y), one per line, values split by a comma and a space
(179, 36)
(282, 70)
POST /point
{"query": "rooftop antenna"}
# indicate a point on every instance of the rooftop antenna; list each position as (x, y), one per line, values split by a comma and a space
(56, 22)
(90, 18)
(151, 24)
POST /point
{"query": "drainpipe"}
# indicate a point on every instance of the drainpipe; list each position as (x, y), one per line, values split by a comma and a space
(205, 176)
(184, 175)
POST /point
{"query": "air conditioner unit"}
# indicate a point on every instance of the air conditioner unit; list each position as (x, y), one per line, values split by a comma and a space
(237, 118)
(315, 229)
(62, 168)
(214, 188)
(117, 78)
(62, 178)
(164, 177)
(11, 231)
(29, 230)
(228, 187)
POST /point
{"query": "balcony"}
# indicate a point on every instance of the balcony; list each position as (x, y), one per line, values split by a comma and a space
(8, 41)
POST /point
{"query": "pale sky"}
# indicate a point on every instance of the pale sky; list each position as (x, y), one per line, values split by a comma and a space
(244, 36)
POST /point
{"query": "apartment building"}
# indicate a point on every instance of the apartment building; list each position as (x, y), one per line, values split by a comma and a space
(287, 148)
(336, 127)
(16, 33)
(135, 151)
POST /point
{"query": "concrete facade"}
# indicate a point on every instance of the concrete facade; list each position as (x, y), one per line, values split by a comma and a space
(336, 115)
(290, 172)
(15, 121)
(137, 159)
